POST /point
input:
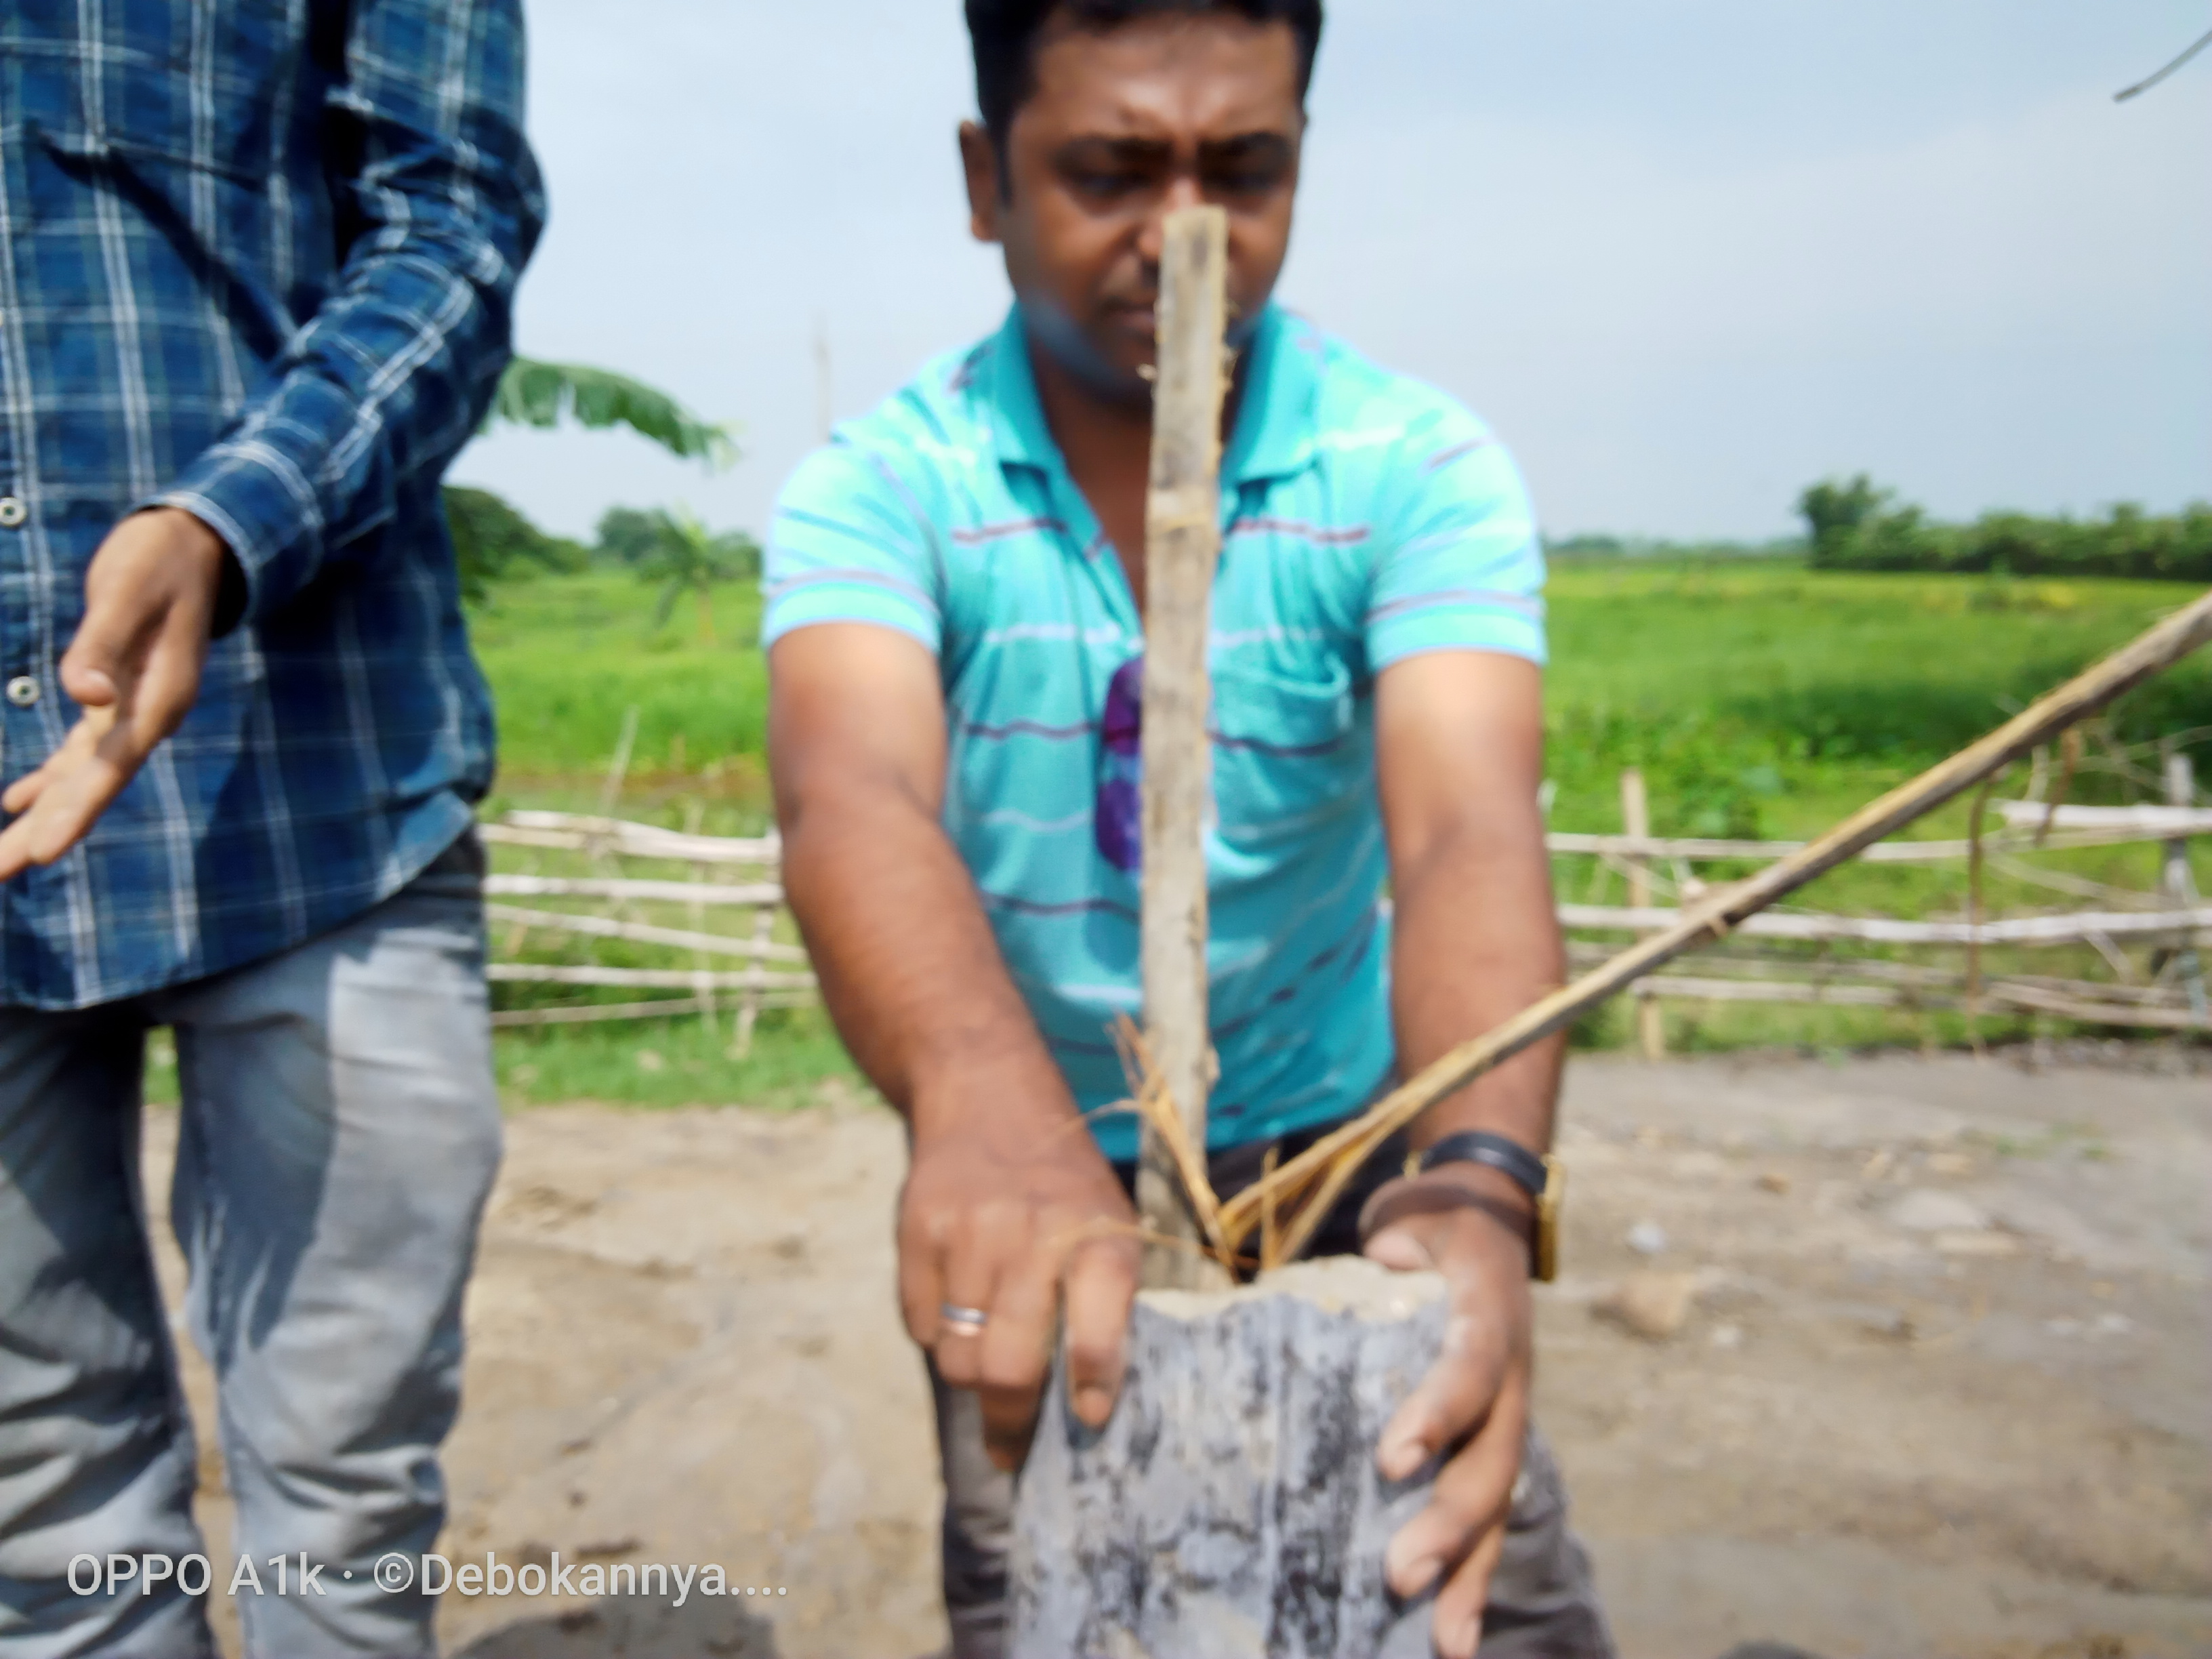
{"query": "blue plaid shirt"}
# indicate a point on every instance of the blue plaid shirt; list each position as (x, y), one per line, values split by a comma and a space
(257, 260)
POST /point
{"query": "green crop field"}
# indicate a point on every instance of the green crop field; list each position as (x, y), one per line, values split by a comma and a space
(1762, 700)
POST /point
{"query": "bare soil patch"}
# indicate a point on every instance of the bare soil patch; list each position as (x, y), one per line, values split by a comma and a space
(1904, 1357)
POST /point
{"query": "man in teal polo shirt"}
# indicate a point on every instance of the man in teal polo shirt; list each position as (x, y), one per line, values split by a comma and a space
(956, 631)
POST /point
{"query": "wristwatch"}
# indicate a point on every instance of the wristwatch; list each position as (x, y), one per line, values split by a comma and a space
(1539, 1175)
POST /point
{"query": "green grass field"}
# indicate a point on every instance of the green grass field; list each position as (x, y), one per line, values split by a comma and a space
(1760, 699)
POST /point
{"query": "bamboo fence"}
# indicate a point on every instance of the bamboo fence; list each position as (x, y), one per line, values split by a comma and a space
(715, 936)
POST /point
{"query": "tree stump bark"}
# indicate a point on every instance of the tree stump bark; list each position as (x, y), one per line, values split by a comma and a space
(1231, 1508)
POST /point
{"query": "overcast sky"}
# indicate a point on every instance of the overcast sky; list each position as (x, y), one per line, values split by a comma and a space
(1686, 258)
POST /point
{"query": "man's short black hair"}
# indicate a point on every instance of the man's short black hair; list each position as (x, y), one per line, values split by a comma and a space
(1006, 35)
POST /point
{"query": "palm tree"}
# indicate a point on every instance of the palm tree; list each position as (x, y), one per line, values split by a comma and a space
(491, 539)
(686, 557)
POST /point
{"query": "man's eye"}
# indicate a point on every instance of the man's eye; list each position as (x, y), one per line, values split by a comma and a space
(1093, 183)
(1246, 181)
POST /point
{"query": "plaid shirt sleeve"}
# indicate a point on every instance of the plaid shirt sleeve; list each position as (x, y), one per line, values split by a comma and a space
(397, 368)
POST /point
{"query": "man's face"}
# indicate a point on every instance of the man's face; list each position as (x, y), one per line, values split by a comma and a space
(1126, 127)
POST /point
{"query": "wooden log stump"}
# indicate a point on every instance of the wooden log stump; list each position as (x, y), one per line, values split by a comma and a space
(1231, 1508)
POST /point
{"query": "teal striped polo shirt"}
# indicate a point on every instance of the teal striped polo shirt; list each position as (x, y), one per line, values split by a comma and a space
(1365, 518)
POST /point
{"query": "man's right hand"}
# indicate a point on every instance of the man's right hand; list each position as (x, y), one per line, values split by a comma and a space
(1007, 1212)
(133, 669)
(1010, 1210)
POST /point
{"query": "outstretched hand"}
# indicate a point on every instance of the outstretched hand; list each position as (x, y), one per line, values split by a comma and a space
(133, 669)
(1474, 1399)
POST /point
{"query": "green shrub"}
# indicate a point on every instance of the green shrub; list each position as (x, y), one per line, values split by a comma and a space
(1856, 527)
(493, 541)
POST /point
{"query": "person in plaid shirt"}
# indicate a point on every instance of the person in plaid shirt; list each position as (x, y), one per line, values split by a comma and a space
(257, 266)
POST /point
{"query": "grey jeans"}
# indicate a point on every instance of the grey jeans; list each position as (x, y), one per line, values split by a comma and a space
(339, 1133)
(1543, 1598)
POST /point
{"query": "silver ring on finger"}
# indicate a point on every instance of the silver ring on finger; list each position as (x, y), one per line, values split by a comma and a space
(963, 1322)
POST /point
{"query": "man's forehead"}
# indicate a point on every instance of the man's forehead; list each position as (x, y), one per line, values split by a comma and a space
(1213, 76)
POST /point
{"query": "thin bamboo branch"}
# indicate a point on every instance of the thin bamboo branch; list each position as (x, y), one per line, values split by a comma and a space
(2143, 823)
(594, 1013)
(681, 938)
(2070, 764)
(610, 792)
(646, 841)
(643, 979)
(610, 1012)
(2075, 1008)
(667, 892)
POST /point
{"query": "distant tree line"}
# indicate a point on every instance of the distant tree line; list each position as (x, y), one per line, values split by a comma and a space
(1594, 546)
(494, 541)
(1854, 524)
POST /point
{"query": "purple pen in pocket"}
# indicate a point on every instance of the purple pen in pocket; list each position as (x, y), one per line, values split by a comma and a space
(1118, 815)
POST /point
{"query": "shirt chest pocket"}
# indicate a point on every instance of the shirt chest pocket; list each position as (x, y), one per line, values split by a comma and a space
(1291, 754)
(199, 85)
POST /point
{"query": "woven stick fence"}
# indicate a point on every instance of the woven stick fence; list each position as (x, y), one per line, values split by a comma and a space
(629, 889)
(2145, 938)
(615, 910)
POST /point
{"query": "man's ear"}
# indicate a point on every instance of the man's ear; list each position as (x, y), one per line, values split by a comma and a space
(979, 161)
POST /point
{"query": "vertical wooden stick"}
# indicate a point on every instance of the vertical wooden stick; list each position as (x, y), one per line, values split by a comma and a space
(1636, 816)
(750, 1012)
(2180, 881)
(1183, 544)
(695, 817)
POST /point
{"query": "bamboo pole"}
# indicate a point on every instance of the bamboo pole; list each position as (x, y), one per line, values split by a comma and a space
(1183, 544)
(1636, 818)
(2070, 927)
(1315, 1174)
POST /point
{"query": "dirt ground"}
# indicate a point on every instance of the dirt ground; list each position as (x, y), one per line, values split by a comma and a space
(1943, 1387)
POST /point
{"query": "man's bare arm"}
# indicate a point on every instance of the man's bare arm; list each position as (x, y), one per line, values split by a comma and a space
(1458, 738)
(1008, 1195)
(909, 967)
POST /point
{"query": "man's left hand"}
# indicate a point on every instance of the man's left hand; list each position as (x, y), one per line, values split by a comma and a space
(1460, 1225)
(133, 669)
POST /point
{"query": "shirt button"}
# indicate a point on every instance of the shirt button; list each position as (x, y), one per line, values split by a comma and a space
(12, 512)
(22, 691)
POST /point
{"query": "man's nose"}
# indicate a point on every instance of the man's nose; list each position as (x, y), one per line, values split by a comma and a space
(1183, 191)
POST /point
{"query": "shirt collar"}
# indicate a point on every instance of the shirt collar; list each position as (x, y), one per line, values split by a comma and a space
(1275, 424)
